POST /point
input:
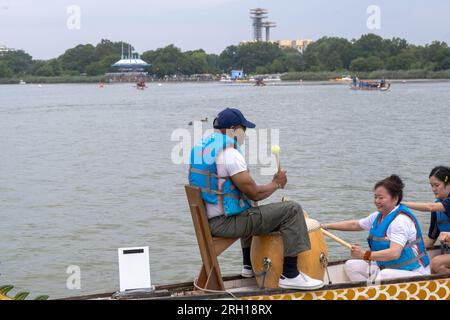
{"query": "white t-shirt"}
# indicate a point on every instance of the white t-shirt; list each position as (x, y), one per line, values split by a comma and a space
(229, 162)
(401, 231)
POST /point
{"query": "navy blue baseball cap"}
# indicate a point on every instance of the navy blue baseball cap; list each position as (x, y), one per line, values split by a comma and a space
(230, 118)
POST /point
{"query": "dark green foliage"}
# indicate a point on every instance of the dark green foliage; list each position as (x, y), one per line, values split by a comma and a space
(171, 60)
(18, 62)
(371, 63)
(333, 55)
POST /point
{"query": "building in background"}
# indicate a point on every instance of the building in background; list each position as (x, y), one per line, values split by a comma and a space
(130, 68)
(300, 44)
(258, 16)
(294, 44)
(5, 49)
(237, 74)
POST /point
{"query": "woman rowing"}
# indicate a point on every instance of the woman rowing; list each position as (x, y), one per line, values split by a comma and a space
(395, 238)
(440, 216)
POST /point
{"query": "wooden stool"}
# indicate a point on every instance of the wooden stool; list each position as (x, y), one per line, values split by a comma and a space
(210, 276)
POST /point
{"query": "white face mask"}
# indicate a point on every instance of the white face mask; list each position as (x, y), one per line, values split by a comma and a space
(239, 135)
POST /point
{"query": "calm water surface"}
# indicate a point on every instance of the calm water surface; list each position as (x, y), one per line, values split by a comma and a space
(84, 171)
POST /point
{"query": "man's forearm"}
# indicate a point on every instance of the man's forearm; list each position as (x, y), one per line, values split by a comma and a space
(265, 191)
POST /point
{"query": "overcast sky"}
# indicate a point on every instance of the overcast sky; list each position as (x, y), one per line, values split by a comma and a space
(40, 26)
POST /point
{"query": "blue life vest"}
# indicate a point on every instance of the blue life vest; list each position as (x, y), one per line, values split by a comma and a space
(378, 241)
(443, 220)
(203, 174)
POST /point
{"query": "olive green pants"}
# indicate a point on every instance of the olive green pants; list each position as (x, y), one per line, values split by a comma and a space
(285, 217)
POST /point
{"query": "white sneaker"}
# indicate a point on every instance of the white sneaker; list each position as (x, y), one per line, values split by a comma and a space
(247, 272)
(301, 282)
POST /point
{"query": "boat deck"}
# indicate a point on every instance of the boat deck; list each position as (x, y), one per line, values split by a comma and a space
(338, 287)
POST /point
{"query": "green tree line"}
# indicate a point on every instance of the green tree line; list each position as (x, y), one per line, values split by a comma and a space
(367, 54)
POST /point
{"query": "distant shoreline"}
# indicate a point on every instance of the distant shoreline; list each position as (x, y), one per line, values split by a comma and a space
(310, 78)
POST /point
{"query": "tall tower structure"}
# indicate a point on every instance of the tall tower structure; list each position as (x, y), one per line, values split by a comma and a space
(257, 15)
(268, 25)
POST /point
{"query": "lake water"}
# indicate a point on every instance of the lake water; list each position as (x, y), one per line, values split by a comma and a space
(84, 170)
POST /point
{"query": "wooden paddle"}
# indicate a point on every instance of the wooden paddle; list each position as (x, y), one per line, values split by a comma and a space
(336, 238)
(325, 232)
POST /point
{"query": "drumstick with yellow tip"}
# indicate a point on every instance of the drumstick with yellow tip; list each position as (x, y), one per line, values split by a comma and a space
(276, 151)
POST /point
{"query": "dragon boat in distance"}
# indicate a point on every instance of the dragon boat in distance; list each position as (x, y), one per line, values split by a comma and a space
(370, 85)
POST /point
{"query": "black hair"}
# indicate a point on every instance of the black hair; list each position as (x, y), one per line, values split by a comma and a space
(441, 173)
(394, 185)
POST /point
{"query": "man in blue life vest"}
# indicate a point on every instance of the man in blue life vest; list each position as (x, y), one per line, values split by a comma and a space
(218, 167)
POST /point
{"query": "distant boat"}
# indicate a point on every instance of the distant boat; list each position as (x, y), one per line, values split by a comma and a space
(257, 79)
(141, 85)
(272, 78)
(260, 82)
(343, 79)
(370, 85)
(229, 80)
(225, 79)
(22, 82)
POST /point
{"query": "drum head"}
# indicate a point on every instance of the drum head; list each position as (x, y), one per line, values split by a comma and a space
(312, 224)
